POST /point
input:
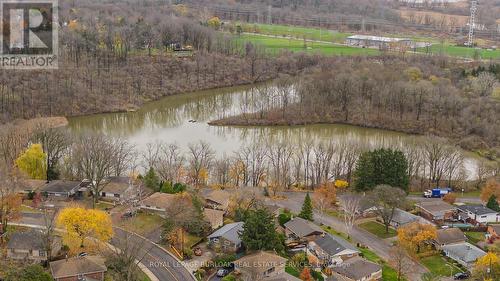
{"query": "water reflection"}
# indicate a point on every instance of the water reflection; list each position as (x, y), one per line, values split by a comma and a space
(168, 120)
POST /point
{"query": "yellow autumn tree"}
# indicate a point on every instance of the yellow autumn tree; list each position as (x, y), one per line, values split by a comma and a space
(214, 23)
(33, 162)
(342, 184)
(487, 266)
(414, 236)
(81, 224)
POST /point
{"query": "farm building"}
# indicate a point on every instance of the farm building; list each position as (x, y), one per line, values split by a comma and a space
(383, 43)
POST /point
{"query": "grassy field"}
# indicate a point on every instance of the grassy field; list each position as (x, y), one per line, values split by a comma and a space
(461, 51)
(475, 237)
(274, 45)
(297, 32)
(378, 229)
(438, 264)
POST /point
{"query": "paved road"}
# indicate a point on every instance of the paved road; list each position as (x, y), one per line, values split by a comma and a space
(161, 263)
(469, 200)
(379, 246)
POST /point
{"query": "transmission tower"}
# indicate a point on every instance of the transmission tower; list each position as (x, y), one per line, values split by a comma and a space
(472, 22)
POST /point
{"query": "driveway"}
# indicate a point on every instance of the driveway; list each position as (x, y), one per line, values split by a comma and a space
(379, 246)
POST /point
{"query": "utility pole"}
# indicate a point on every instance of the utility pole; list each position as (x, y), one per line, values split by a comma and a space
(472, 21)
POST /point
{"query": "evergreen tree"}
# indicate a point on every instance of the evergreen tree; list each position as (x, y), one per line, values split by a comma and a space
(493, 203)
(151, 180)
(307, 209)
(381, 166)
(259, 231)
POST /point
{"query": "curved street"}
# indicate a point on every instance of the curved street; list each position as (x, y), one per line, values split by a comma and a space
(161, 263)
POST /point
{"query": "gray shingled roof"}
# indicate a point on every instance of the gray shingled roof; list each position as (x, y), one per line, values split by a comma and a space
(357, 268)
(302, 227)
(28, 240)
(450, 236)
(229, 231)
(60, 186)
(282, 277)
(466, 252)
(333, 245)
(76, 266)
(476, 209)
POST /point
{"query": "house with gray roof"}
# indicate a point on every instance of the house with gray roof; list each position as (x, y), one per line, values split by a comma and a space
(478, 214)
(31, 245)
(402, 218)
(331, 250)
(356, 269)
(435, 210)
(449, 236)
(62, 189)
(464, 253)
(227, 238)
(299, 230)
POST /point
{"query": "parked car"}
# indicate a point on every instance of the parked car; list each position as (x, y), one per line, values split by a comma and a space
(461, 276)
(222, 272)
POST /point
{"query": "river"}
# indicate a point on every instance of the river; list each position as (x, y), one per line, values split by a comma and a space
(182, 119)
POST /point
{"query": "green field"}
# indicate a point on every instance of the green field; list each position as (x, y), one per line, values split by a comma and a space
(378, 229)
(438, 264)
(274, 45)
(297, 32)
(461, 51)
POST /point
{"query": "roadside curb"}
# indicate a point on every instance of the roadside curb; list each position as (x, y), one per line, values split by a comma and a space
(141, 266)
(159, 246)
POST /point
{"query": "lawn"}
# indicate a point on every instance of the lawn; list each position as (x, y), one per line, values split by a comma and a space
(460, 51)
(334, 232)
(143, 223)
(274, 45)
(378, 229)
(438, 264)
(297, 32)
(475, 237)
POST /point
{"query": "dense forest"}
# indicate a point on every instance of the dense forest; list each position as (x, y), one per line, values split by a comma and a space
(413, 95)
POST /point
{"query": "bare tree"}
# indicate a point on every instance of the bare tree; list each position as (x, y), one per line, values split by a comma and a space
(49, 217)
(54, 141)
(95, 157)
(386, 199)
(170, 163)
(200, 160)
(350, 204)
(400, 261)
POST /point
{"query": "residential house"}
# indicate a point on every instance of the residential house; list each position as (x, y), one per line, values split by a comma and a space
(214, 217)
(435, 210)
(227, 238)
(119, 189)
(62, 189)
(331, 250)
(477, 214)
(356, 269)
(262, 266)
(449, 236)
(494, 231)
(159, 203)
(464, 253)
(402, 218)
(217, 199)
(31, 245)
(79, 268)
(299, 230)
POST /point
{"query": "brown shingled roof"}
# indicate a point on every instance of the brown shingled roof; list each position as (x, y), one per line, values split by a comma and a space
(77, 265)
(450, 236)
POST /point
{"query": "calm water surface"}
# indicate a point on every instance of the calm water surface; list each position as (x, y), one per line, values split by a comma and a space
(168, 120)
